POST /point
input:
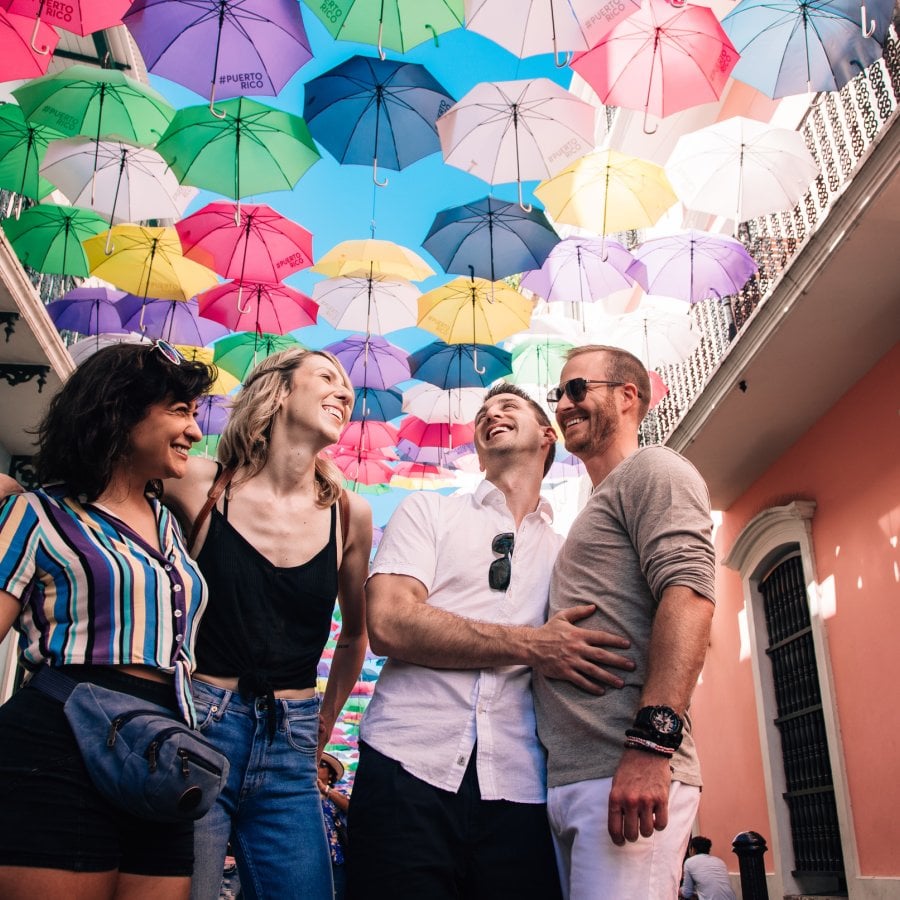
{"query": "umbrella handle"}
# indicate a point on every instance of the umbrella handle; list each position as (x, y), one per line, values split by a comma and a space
(566, 59)
(375, 172)
(212, 100)
(434, 34)
(108, 250)
(867, 30)
(241, 309)
(478, 371)
(655, 127)
(678, 4)
(525, 207)
(380, 48)
(42, 51)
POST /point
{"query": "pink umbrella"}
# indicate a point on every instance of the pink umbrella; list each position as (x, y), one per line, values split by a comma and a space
(435, 434)
(254, 243)
(362, 470)
(661, 59)
(368, 435)
(259, 307)
(78, 16)
(26, 46)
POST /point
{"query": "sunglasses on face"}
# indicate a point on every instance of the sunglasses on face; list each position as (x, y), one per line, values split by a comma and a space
(575, 389)
(500, 572)
(169, 353)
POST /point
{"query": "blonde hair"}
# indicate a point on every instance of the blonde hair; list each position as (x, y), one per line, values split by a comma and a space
(244, 444)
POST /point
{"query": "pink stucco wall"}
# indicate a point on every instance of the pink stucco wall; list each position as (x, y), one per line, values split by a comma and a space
(849, 463)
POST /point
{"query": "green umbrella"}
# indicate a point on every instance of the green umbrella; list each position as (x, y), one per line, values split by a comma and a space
(539, 360)
(388, 23)
(251, 149)
(239, 353)
(22, 146)
(48, 238)
(98, 103)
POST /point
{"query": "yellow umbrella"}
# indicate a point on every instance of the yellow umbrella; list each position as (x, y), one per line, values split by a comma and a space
(607, 191)
(147, 262)
(225, 383)
(373, 257)
(474, 311)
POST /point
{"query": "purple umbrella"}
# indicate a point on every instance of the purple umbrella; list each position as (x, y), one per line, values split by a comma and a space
(88, 311)
(213, 411)
(371, 362)
(433, 456)
(228, 48)
(696, 265)
(176, 321)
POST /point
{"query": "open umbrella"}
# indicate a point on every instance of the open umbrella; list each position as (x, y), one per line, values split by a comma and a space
(490, 238)
(239, 353)
(433, 404)
(88, 311)
(253, 243)
(371, 361)
(371, 257)
(516, 130)
(22, 147)
(451, 366)
(363, 469)
(227, 48)
(77, 16)
(257, 306)
(251, 149)
(388, 23)
(664, 58)
(48, 238)
(370, 435)
(97, 103)
(375, 304)
(26, 46)
(175, 321)
(695, 265)
(539, 360)
(123, 183)
(225, 382)
(381, 406)
(413, 476)
(213, 411)
(147, 262)
(435, 434)
(368, 111)
(460, 457)
(740, 168)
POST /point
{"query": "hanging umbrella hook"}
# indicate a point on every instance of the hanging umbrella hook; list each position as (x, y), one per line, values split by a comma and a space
(867, 29)
(375, 174)
(212, 102)
(655, 127)
(478, 371)
(242, 310)
(43, 51)
(525, 207)
(678, 4)
(108, 250)
(566, 59)
(380, 48)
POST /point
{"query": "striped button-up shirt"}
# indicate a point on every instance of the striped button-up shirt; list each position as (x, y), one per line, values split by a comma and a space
(95, 592)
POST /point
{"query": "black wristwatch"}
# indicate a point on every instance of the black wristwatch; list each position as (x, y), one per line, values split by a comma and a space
(660, 724)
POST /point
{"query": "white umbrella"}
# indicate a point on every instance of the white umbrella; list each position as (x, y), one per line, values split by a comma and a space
(545, 26)
(375, 304)
(518, 131)
(431, 404)
(125, 183)
(740, 168)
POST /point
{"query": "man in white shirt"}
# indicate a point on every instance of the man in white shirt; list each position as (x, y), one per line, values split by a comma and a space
(705, 877)
(449, 798)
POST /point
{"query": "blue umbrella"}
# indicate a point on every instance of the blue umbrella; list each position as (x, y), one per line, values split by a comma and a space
(375, 405)
(490, 238)
(795, 46)
(365, 111)
(453, 365)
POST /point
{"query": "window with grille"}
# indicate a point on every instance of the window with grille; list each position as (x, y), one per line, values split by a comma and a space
(801, 724)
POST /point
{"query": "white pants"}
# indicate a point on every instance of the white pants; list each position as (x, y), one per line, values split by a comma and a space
(592, 867)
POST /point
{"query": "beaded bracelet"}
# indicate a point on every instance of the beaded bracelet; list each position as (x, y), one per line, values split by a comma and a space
(636, 743)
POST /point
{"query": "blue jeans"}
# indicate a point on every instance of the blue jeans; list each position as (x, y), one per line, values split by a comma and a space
(270, 808)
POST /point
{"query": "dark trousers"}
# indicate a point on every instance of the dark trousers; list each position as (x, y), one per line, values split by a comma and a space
(411, 840)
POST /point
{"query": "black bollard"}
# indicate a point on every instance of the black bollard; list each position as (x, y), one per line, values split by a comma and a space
(750, 847)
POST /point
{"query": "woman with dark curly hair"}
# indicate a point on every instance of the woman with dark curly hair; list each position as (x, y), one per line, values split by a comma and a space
(96, 580)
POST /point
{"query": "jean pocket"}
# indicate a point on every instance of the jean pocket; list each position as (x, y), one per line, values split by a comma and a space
(302, 730)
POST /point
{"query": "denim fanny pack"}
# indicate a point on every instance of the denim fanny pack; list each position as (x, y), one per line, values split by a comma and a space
(138, 756)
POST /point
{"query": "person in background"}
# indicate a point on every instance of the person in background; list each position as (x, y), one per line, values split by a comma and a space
(335, 803)
(98, 583)
(705, 877)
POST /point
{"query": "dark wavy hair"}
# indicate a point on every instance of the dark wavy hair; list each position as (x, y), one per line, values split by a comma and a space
(88, 424)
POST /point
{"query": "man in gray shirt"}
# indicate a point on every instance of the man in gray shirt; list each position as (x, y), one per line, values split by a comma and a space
(622, 769)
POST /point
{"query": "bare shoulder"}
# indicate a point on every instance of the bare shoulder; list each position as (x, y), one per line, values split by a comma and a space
(186, 496)
(9, 486)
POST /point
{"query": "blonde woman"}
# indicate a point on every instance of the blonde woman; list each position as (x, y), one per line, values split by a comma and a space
(275, 549)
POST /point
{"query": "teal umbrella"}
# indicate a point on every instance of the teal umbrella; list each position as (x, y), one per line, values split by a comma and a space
(539, 360)
(22, 146)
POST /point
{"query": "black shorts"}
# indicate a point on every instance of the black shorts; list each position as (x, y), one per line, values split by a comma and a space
(52, 816)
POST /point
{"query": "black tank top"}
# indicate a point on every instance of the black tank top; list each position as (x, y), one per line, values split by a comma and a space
(264, 624)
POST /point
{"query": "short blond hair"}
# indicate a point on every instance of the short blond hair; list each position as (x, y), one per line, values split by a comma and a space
(622, 366)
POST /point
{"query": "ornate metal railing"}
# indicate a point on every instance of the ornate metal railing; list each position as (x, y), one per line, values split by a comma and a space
(838, 129)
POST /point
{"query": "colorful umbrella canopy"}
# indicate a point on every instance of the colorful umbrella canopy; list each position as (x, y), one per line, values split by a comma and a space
(22, 147)
(225, 382)
(252, 242)
(97, 103)
(545, 26)
(371, 361)
(608, 191)
(378, 405)
(373, 305)
(741, 169)
(566, 466)
(239, 353)
(26, 46)
(662, 59)
(389, 23)
(147, 262)
(432, 404)
(474, 311)
(48, 238)
(251, 149)
(539, 360)
(227, 48)
(796, 46)
(175, 321)
(78, 16)
(257, 306)
(373, 257)
(362, 470)
(368, 435)
(88, 311)
(451, 366)
(213, 411)
(490, 238)
(413, 476)
(516, 130)
(123, 183)
(435, 434)
(695, 265)
(369, 111)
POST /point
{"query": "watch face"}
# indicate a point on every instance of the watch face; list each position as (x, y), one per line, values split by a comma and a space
(665, 720)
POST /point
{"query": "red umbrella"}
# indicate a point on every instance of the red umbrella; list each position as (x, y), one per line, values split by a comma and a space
(661, 59)
(435, 434)
(254, 243)
(26, 46)
(257, 306)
